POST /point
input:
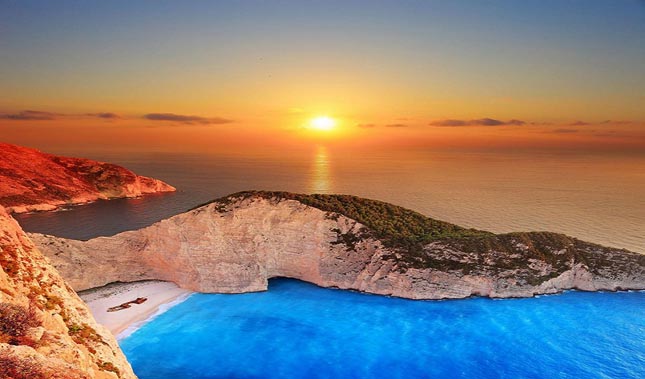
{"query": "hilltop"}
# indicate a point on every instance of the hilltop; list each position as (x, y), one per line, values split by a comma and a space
(236, 243)
(31, 180)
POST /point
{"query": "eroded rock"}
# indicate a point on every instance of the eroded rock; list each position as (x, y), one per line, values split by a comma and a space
(46, 331)
(237, 243)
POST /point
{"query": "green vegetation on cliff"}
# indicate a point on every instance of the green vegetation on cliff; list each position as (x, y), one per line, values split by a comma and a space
(410, 236)
(396, 227)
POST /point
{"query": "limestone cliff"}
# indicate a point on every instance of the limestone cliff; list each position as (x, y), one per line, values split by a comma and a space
(237, 243)
(34, 181)
(46, 331)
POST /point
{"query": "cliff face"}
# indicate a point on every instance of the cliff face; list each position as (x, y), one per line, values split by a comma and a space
(46, 331)
(34, 181)
(238, 243)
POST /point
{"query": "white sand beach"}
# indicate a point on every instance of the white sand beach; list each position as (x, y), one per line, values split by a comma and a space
(157, 293)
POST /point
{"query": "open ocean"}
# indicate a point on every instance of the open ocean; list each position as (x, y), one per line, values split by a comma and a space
(599, 198)
(297, 330)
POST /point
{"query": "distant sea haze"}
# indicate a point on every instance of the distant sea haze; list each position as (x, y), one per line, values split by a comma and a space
(594, 198)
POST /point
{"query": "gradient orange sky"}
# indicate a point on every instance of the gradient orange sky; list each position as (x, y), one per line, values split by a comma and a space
(197, 76)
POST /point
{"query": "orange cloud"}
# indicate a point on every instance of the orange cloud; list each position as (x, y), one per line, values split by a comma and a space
(106, 115)
(186, 119)
(478, 122)
(31, 115)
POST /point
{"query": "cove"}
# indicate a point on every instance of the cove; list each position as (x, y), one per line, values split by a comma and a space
(299, 330)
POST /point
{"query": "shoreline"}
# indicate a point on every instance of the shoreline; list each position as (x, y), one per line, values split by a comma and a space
(160, 296)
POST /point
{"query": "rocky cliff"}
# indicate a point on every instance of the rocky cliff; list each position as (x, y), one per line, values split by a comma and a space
(34, 181)
(46, 331)
(237, 243)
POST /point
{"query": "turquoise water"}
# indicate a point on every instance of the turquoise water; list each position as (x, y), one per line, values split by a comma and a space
(298, 330)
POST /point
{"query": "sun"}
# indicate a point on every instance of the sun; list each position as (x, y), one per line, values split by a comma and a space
(322, 123)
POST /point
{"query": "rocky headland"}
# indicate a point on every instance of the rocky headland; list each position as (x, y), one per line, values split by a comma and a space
(46, 330)
(235, 244)
(31, 180)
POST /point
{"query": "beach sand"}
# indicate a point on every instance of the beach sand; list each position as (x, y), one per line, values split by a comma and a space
(121, 322)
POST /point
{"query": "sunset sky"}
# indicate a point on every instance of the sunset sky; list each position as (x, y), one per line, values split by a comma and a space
(180, 76)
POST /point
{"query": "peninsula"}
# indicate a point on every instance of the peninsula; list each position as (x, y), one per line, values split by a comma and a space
(236, 243)
(31, 180)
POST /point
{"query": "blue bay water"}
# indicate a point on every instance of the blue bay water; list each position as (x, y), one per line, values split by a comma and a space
(298, 330)
(301, 331)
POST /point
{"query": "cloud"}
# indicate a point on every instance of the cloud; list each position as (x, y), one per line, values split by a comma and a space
(366, 126)
(396, 126)
(605, 122)
(31, 115)
(564, 131)
(185, 119)
(488, 122)
(43, 115)
(619, 122)
(477, 122)
(449, 122)
(172, 117)
(106, 115)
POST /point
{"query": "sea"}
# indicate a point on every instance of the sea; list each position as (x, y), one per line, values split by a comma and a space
(298, 330)
(592, 196)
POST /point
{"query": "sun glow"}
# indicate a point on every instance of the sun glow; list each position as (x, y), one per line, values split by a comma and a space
(323, 123)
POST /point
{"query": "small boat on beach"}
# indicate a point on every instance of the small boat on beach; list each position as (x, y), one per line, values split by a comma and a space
(138, 300)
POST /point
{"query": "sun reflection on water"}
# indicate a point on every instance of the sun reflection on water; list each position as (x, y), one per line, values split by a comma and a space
(319, 181)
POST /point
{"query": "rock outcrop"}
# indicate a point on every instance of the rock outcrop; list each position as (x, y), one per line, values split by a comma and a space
(237, 243)
(46, 331)
(34, 181)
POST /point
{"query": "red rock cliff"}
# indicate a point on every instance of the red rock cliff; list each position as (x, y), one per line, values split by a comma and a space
(31, 180)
